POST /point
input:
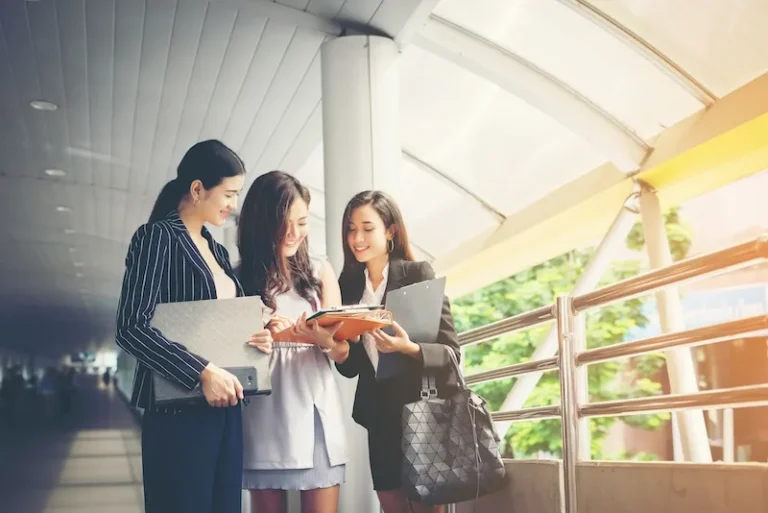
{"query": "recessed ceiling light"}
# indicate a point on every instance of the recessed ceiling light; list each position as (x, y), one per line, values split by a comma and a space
(43, 105)
(78, 264)
(79, 275)
(63, 209)
(72, 250)
(69, 231)
(55, 172)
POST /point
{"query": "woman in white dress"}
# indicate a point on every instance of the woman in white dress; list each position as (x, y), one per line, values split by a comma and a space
(293, 439)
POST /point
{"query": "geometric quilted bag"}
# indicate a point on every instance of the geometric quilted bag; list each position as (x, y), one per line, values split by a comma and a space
(450, 445)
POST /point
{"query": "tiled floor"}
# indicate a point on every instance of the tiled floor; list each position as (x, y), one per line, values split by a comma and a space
(89, 463)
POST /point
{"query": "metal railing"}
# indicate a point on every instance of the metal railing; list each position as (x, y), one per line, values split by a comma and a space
(565, 312)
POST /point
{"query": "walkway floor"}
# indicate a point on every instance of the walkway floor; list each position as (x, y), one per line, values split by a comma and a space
(88, 463)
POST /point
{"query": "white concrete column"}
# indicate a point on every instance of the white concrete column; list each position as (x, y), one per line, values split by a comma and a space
(361, 147)
(682, 373)
(361, 137)
(729, 440)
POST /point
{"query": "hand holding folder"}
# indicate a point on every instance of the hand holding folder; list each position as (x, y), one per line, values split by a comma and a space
(355, 320)
(417, 309)
(216, 330)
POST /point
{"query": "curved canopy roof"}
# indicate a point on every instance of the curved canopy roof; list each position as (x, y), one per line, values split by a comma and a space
(525, 119)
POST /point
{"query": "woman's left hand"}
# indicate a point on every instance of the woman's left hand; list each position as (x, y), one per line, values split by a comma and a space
(399, 343)
(262, 341)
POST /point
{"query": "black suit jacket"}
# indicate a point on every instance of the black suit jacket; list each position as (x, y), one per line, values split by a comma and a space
(380, 403)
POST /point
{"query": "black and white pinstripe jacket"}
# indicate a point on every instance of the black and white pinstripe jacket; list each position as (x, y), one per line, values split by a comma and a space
(163, 265)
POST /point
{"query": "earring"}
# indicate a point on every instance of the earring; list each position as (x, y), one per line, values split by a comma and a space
(391, 245)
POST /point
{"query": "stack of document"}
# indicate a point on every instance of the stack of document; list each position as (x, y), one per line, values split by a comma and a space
(417, 308)
(356, 320)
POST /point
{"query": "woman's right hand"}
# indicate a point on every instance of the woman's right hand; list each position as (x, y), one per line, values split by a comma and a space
(220, 387)
(278, 323)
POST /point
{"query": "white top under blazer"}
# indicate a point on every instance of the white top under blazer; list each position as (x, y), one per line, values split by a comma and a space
(278, 429)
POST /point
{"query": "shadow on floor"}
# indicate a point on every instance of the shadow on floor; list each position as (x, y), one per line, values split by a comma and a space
(87, 462)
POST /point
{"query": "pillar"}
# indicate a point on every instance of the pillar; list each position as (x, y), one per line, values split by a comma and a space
(682, 373)
(362, 150)
(361, 142)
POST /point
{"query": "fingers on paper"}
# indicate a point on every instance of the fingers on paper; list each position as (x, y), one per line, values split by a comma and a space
(399, 331)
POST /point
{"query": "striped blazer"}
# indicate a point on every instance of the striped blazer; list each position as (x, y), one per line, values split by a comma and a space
(163, 265)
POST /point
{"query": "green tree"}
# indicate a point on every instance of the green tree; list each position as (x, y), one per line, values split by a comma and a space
(539, 286)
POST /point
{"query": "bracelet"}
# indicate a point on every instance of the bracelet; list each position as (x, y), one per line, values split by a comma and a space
(327, 350)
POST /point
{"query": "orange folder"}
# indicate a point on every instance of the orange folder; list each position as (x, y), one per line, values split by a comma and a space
(355, 323)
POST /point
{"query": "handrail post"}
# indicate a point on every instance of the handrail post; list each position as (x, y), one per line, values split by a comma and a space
(614, 238)
(566, 332)
(581, 384)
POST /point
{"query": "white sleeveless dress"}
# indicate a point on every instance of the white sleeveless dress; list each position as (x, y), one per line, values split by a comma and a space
(294, 439)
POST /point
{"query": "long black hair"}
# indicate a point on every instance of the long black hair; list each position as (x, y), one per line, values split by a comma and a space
(389, 213)
(260, 234)
(208, 161)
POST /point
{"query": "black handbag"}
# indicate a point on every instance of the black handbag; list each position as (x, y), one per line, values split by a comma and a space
(450, 445)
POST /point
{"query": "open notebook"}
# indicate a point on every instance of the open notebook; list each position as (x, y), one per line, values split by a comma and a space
(357, 320)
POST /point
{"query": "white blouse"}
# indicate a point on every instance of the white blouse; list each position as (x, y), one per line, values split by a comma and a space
(373, 297)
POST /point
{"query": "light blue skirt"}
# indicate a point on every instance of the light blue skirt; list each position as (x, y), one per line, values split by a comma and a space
(321, 475)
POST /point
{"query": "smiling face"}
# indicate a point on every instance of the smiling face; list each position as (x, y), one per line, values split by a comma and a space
(367, 237)
(296, 228)
(216, 204)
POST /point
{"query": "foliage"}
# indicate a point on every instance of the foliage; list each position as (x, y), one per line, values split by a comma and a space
(539, 286)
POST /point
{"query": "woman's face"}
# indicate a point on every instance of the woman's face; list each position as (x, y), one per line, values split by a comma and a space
(368, 238)
(214, 205)
(297, 228)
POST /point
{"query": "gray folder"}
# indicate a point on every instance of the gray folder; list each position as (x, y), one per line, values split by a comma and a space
(217, 330)
(417, 309)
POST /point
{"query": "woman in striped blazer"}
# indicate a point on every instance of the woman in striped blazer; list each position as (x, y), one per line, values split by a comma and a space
(192, 456)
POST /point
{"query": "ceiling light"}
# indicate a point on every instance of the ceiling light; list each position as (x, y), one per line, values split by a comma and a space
(63, 209)
(78, 264)
(55, 172)
(79, 275)
(69, 231)
(43, 105)
(72, 250)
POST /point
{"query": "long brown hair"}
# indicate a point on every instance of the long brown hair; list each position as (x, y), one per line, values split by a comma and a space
(390, 214)
(260, 234)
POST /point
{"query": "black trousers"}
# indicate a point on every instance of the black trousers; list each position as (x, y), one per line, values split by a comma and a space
(192, 460)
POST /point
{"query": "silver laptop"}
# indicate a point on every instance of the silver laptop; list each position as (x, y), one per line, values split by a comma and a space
(217, 330)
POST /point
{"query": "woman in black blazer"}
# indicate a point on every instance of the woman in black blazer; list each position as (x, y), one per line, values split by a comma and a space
(192, 456)
(377, 259)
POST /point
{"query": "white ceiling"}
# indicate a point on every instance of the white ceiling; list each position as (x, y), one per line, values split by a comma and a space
(137, 83)
(502, 103)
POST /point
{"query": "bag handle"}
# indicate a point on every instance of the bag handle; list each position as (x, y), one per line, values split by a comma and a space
(429, 383)
(428, 386)
(456, 368)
